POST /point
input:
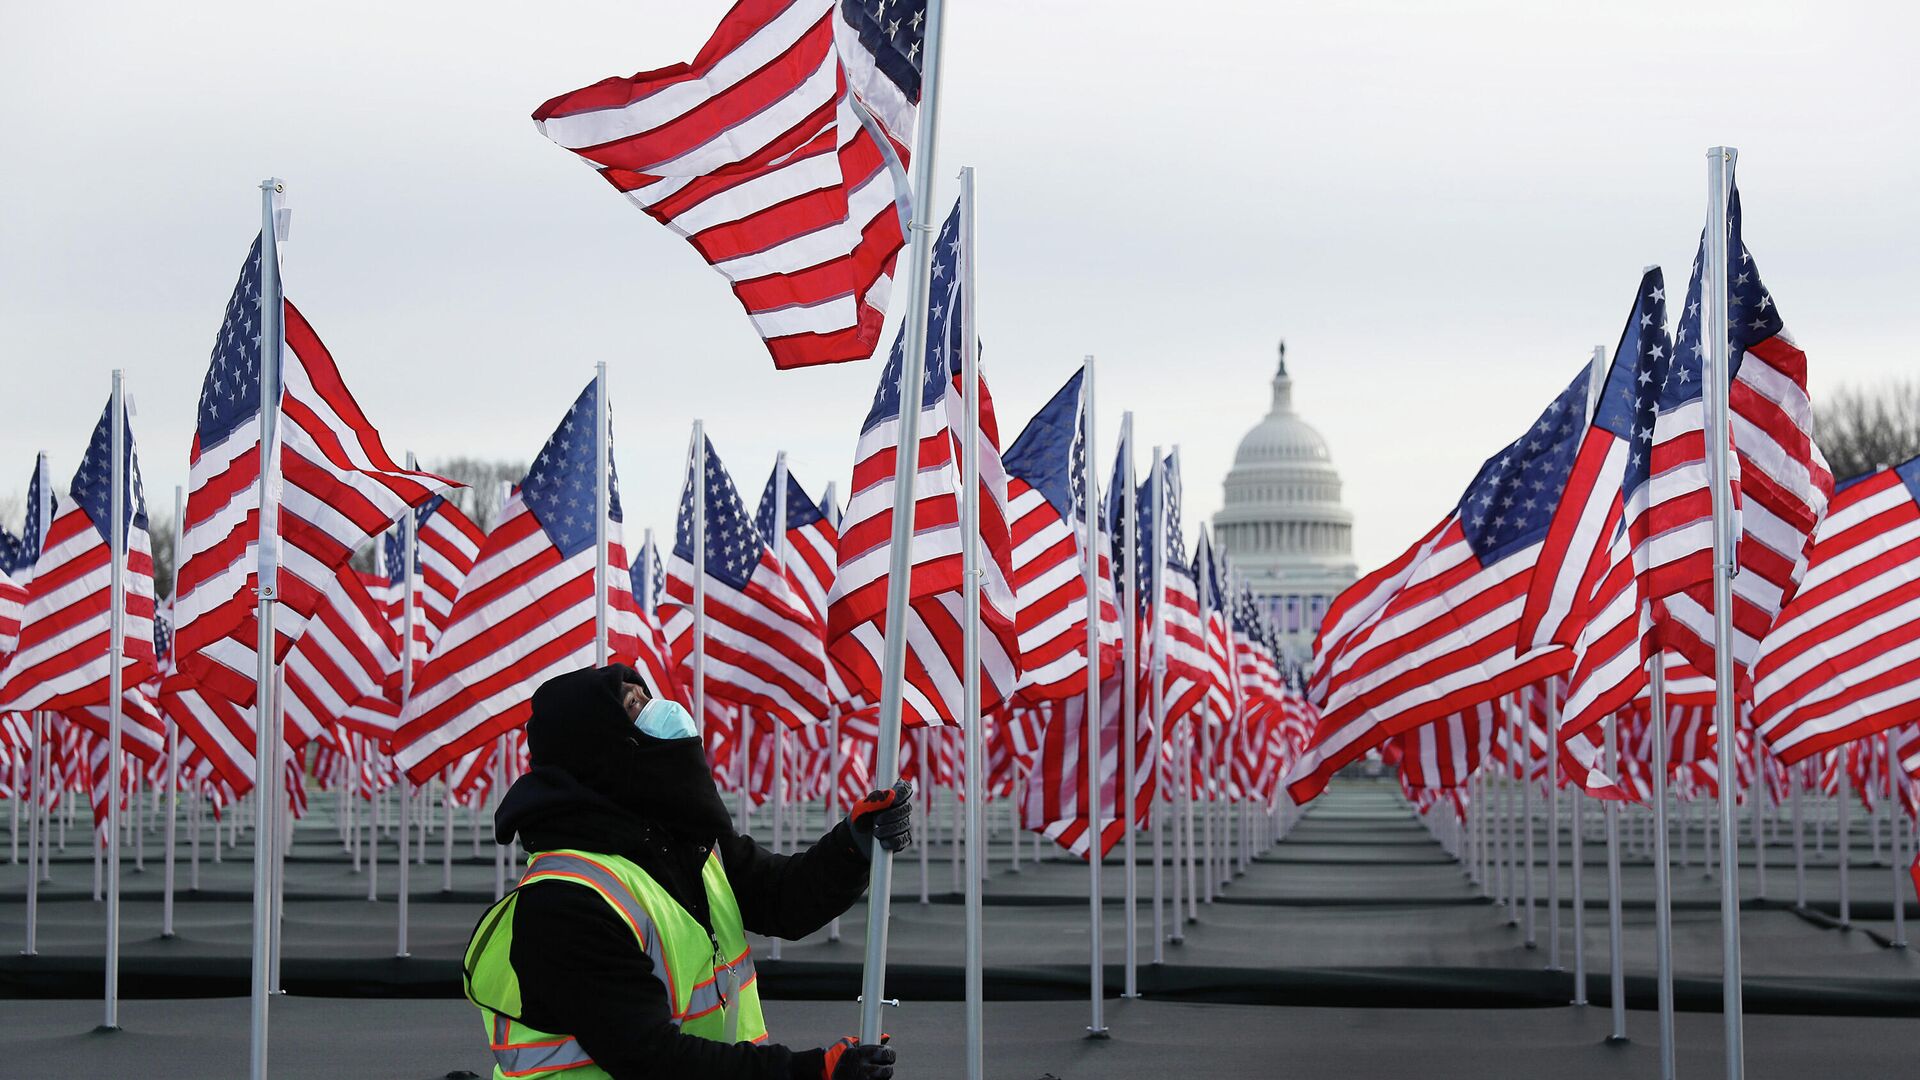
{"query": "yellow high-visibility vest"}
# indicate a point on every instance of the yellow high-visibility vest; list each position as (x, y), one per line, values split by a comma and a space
(709, 980)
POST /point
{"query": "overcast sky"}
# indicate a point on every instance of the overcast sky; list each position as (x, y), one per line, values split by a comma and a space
(1441, 206)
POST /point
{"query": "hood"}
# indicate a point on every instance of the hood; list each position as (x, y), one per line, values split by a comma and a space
(590, 759)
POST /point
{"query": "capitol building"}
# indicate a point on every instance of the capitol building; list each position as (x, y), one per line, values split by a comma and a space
(1290, 538)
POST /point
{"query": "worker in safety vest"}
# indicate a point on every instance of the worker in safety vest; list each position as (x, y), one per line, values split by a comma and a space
(622, 952)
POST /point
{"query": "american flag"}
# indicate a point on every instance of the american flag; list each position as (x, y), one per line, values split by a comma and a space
(1604, 610)
(1843, 659)
(1169, 583)
(1223, 686)
(338, 489)
(1056, 796)
(857, 610)
(1780, 481)
(62, 658)
(755, 153)
(1445, 753)
(337, 674)
(807, 548)
(527, 611)
(12, 602)
(1445, 639)
(880, 43)
(445, 544)
(1046, 498)
(762, 643)
(655, 658)
(220, 732)
(810, 561)
(1576, 554)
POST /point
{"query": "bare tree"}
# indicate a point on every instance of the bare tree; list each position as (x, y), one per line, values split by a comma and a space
(480, 499)
(160, 533)
(1860, 428)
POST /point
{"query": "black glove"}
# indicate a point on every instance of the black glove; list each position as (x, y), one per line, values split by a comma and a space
(850, 1059)
(886, 816)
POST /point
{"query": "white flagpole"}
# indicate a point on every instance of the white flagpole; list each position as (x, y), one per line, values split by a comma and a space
(697, 458)
(173, 738)
(1090, 576)
(1896, 856)
(1662, 883)
(1596, 384)
(1526, 815)
(272, 336)
(116, 651)
(446, 831)
(1553, 829)
(1720, 165)
(1130, 705)
(1158, 666)
(920, 229)
(1842, 833)
(602, 451)
(832, 511)
(779, 775)
(975, 971)
(1616, 974)
(501, 747)
(407, 616)
(37, 837)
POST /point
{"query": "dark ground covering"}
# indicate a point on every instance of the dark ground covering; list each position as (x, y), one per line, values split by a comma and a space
(1355, 947)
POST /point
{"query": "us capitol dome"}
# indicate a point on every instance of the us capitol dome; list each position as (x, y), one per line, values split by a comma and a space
(1290, 538)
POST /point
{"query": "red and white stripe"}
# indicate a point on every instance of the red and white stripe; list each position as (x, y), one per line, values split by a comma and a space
(754, 154)
(61, 659)
(763, 646)
(338, 488)
(336, 676)
(525, 615)
(1843, 660)
(931, 692)
(1056, 804)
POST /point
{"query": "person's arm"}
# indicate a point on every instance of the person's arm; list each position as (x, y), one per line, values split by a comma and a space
(791, 896)
(582, 973)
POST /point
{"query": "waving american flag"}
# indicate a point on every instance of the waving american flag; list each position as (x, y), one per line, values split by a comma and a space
(756, 152)
(762, 643)
(61, 661)
(1780, 482)
(339, 488)
(527, 611)
(857, 610)
(1443, 636)
(1046, 498)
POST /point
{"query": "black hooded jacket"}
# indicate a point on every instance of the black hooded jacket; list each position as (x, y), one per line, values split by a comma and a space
(653, 802)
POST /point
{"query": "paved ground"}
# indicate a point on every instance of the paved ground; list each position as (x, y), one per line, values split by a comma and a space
(1337, 947)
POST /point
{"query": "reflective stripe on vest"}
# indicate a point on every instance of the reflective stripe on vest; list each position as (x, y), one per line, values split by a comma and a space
(526, 1059)
(717, 991)
(608, 885)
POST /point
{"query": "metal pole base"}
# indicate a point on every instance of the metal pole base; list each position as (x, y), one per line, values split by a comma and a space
(106, 1029)
(1098, 1033)
(1616, 1040)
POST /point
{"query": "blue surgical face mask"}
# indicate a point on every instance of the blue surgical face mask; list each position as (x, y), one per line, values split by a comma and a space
(664, 719)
